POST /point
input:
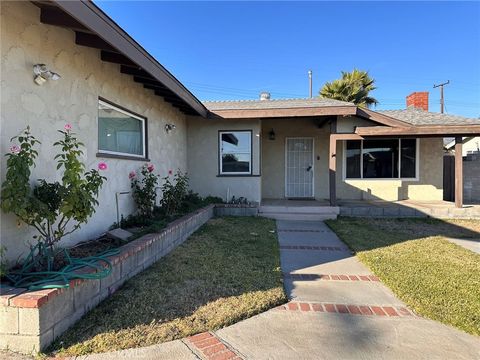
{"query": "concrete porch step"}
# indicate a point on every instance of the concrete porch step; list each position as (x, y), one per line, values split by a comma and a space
(299, 209)
(298, 216)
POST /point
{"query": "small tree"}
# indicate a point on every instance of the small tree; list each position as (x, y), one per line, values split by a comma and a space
(50, 207)
(353, 87)
(144, 189)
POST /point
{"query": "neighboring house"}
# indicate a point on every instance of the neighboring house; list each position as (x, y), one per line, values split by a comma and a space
(471, 145)
(124, 105)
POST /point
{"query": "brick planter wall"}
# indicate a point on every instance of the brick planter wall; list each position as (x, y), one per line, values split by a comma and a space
(236, 210)
(31, 320)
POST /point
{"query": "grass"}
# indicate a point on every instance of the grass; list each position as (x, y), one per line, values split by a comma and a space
(436, 278)
(227, 271)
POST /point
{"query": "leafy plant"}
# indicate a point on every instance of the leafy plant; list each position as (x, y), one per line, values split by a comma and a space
(174, 192)
(3, 262)
(144, 189)
(50, 207)
(353, 87)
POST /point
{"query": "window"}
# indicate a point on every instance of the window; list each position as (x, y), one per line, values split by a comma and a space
(120, 132)
(235, 152)
(381, 159)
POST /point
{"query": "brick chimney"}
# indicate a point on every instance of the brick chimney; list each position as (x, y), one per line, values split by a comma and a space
(418, 100)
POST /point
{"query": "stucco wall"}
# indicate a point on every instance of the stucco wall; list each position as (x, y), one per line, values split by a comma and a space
(428, 187)
(203, 159)
(73, 99)
(273, 155)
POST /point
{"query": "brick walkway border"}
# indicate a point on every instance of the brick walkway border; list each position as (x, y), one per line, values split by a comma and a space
(313, 277)
(308, 247)
(210, 346)
(293, 230)
(368, 310)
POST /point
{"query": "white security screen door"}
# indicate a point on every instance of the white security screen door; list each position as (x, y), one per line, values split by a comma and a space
(299, 168)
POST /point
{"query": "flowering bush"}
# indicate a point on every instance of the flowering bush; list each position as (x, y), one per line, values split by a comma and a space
(144, 189)
(50, 206)
(174, 192)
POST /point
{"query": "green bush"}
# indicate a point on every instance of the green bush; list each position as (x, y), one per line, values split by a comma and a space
(144, 189)
(174, 192)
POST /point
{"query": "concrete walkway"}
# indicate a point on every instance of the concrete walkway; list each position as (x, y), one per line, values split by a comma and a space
(337, 310)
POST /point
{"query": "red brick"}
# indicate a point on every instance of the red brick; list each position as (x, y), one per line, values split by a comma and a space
(378, 310)
(342, 309)
(353, 277)
(292, 306)
(200, 337)
(404, 311)
(29, 301)
(304, 307)
(390, 311)
(7, 294)
(207, 342)
(225, 355)
(335, 277)
(330, 308)
(325, 277)
(374, 278)
(364, 278)
(214, 349)
(366, 310)
(317, 307)
(354, 310)
(343, 277)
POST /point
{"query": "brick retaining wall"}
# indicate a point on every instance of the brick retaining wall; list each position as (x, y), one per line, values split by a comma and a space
(31, 320)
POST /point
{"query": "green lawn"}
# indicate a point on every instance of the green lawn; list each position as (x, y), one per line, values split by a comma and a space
(227, 271)
(436, 278)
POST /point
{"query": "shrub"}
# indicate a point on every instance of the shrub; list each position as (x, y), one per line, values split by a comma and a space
(174, 192)
(144, 189)
(50, 207)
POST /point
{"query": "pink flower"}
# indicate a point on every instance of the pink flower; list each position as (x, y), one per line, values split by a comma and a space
(67, 127)
(170, 172)
(15, 149)
(102, 166)
(131, 175)
(150, 167)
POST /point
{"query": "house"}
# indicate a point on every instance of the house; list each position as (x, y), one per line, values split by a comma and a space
(471, 145)
(128, 109)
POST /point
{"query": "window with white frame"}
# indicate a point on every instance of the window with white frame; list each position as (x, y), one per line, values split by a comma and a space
(120, 132)
(381, 159)
(235, 152)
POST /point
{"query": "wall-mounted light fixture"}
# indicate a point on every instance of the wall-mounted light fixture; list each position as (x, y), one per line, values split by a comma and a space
(42, 74)
(169, 128)
(271, 135)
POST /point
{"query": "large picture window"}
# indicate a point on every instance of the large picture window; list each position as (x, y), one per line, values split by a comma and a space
(235, 149)
(120, 132)
(381, 159)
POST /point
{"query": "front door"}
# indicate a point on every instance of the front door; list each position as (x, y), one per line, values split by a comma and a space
(299, 168)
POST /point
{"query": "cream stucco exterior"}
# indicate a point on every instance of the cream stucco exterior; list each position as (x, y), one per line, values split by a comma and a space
(73, 99)
(203, 161)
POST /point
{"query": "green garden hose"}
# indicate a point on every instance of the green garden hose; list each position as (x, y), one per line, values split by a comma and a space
(26, 277)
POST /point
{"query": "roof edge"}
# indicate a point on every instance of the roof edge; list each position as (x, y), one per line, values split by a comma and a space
(92, 17)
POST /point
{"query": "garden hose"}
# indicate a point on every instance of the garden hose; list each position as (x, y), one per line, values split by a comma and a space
(26, 277)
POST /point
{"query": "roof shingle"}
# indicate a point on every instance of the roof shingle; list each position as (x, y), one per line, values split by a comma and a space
(273, 104)
(421, 118)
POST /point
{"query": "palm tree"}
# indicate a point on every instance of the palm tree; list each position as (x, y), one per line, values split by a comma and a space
(353, 87)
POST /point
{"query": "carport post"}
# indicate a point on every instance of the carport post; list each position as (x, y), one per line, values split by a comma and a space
(458, 172)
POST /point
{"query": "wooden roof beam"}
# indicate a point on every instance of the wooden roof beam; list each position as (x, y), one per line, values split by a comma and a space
(52, 15)
(117, 58)
(93, 41)
(432, 130)
(135, 72)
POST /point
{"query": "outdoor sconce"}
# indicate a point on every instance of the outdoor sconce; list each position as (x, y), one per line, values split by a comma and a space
(169, 128)
(42, 74)
(271, 135)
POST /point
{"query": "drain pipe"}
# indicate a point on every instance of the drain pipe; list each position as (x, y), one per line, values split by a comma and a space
(117, 194)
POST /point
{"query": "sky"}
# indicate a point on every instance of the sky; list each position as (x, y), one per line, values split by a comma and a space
(234, 50)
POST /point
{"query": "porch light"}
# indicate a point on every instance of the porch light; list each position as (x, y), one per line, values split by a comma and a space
(271, 135)
(169, 128)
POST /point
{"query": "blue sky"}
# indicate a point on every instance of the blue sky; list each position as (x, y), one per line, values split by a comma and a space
(234, 50)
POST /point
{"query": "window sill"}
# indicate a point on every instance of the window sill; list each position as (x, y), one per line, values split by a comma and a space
(122, 157)
(237, 175)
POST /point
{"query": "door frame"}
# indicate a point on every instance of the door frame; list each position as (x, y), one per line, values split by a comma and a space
(313, 166)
